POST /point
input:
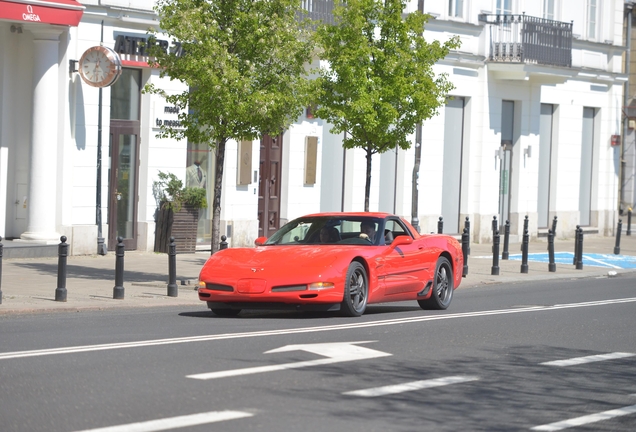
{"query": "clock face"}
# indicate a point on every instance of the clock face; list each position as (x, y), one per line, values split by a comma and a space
(100, 66)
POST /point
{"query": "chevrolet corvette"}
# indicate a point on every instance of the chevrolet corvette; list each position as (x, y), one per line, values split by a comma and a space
(334, 262)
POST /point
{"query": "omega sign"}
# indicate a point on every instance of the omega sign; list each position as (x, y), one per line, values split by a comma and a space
(30, 16)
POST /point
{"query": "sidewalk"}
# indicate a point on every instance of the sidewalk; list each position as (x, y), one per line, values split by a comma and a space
(28, 284)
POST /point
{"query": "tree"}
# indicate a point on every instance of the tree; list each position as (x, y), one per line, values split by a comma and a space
(379, 82)
(244, 63)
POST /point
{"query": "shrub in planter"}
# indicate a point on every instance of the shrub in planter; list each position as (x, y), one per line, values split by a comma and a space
(178, 213)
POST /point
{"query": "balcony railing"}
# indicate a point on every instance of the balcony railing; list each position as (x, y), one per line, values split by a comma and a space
(527, 39)
(319, 10)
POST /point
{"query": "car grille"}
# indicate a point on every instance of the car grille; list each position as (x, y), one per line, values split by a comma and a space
(218, 287)
(289, 288)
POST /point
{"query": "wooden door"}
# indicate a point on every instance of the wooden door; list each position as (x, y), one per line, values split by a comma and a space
(269, 185)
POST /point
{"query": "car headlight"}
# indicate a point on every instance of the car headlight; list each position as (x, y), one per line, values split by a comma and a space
(200, 285)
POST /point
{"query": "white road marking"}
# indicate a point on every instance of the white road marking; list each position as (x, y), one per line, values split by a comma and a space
(339, 327)
(410, 386)
(174, 422)
(336, 353)
(583, 420)
(588, 359)
(587, 257)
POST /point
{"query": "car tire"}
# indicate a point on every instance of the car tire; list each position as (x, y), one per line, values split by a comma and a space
(442, 287)
(226, 312)
(356, 291)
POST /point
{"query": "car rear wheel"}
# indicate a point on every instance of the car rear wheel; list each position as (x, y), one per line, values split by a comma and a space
(356, 291)
(442, 287)
(226, 312)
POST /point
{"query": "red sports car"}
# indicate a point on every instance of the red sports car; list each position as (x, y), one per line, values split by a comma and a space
(334, 261)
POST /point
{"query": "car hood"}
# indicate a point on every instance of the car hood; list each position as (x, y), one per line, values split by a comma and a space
(274, 259)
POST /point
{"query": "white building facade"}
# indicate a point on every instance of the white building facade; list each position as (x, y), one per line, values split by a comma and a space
(529, 131)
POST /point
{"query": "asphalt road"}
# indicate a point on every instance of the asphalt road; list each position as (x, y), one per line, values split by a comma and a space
(487, 363)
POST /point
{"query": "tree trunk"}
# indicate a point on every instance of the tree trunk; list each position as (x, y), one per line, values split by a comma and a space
(216, 201)
(367, 185)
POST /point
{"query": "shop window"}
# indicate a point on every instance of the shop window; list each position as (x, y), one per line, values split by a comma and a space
(125, 96)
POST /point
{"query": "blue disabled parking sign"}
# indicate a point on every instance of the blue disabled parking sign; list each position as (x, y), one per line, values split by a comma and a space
(593, 260)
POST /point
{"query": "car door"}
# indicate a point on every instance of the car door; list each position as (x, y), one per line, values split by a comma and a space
(405, 265)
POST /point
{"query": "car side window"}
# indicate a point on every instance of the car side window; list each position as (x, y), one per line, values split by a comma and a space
(392, 229)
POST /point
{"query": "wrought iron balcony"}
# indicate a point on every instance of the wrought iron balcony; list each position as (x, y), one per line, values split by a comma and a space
(528, 39)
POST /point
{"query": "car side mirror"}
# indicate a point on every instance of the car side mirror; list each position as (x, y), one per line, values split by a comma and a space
(401, 240)
(260, 241)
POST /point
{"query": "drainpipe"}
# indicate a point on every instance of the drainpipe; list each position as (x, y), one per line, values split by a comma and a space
(621, 168)
(415, 221)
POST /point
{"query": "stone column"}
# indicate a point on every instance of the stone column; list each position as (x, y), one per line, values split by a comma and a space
(41, 199)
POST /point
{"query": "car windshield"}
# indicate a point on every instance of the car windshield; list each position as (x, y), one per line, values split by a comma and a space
(323, 230)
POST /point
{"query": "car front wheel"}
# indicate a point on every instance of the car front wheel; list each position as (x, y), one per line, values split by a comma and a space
(356, 291)
(442, 287)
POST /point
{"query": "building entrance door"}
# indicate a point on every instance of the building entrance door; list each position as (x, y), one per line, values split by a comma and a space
(269, 184)
(123, 183)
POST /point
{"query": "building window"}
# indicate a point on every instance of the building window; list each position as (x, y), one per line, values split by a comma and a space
(456, 8)
(592, 18)
(548, 9)
(504, 7)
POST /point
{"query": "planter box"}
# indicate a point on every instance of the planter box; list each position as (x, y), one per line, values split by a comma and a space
(181, 225)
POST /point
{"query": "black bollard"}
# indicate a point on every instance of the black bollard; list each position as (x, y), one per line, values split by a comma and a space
(495, 254)
(494, 225)
(551, 264)
(629, 222)
(617, 246)
(525, 223)
(524, 251)
(505, 254)
(576, 244)
(223, 244)
(465, 251)
(554, 225)
(1, 252)
(579, 259)
(440, 225)
(173, 290)
(62, 252)
(118, 290)
(467, 228)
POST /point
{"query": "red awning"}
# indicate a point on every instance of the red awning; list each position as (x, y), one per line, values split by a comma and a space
(61, 12)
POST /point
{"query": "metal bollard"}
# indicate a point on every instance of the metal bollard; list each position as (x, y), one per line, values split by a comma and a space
(465, 243)
(554, 225)
(440, 225)
(118, 290)
(1, 252)
(495, 254)
(629, 222)
(173, 290)
(62, 252)
(525, 223)
(576, 244)
(505, 254)
(467, 228)
(579, 259)
(494, 225)
(551, 264)
(223, 244)
(617, 246)
(524, 251)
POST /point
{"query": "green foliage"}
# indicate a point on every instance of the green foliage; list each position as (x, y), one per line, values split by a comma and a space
(169, 191)
(380, 81)
(244, 62)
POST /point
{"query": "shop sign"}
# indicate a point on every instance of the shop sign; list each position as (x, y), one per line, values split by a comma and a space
(138, 46)
(167, 117)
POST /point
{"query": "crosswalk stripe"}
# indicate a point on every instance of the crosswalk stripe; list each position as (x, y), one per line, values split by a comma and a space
(410, 386)
(588, 359)
(583, 420)
(174, 422)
